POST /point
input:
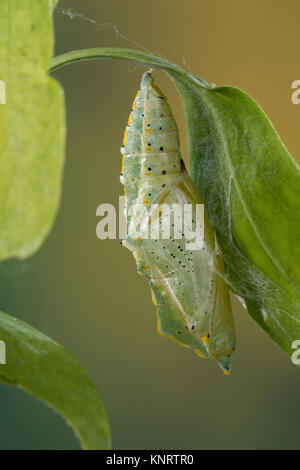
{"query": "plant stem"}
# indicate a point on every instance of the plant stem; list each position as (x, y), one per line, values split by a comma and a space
(143, 58)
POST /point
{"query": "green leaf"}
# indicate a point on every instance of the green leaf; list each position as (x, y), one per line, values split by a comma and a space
(251, 188)
(32, 132)
(46, 370)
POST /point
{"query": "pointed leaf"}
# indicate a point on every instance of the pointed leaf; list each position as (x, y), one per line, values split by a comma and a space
(46, 370)
(31, 128)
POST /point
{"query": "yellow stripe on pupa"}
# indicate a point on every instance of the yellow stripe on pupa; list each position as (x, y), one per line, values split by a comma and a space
(199, 354)
(205, 339)
(163, 335)
(124, 138)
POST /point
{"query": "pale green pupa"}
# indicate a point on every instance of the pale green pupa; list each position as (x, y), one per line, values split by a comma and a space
(191, 297)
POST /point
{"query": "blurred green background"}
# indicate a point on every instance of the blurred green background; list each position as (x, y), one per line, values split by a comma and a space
(86, 294)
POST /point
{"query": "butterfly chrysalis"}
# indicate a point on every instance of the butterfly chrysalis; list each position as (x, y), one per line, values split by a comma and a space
(190, 295)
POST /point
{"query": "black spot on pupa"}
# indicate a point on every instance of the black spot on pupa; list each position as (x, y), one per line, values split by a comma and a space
(149, 169)
(164, 172)
(182, 165)
(161, 148)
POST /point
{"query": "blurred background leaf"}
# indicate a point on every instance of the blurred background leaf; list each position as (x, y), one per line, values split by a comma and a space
(32, 136)
(47, 371)
(32, 129)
